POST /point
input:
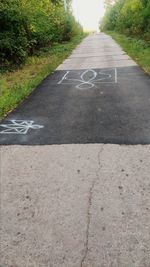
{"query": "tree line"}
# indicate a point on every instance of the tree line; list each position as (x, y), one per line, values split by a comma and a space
(28, 25)
(130, 17)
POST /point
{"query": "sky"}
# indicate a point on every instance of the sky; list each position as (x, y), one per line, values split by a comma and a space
(88, 12)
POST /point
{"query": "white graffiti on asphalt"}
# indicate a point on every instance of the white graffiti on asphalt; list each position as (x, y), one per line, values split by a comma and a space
(87, 79)
(19, 127)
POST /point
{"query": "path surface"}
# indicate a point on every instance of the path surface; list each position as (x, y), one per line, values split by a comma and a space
(86, 202)
(98, 95)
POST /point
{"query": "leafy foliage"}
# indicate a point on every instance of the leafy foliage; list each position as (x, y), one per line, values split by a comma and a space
(131, 17)
(28, 25)
(13, 39)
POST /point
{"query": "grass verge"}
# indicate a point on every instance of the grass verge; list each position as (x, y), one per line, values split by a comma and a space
(15, 86)
(138, 49)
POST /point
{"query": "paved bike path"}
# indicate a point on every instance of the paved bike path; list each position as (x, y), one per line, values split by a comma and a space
(79, 205)
(98, 95)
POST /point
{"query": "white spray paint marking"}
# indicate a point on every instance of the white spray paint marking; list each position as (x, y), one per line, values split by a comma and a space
(88, 82)
(95, 77)
(19, 127)
(64, 77)
(116, 76)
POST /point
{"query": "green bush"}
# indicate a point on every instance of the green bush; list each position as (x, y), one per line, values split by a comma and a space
(131, 17)
(28, 25)
(13, 37)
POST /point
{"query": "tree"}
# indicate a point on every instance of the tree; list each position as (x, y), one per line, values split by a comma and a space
(131, 17)
(28, 25)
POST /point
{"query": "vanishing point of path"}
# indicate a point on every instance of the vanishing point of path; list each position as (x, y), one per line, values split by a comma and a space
(75, 165)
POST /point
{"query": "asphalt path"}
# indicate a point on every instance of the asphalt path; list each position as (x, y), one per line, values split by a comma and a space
(79, 104)
(75, 165)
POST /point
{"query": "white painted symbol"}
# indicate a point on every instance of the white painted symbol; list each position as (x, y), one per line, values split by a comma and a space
(88, 78)
(19, 127)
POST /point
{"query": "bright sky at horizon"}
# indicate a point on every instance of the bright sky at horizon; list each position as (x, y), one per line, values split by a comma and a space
(88, 12)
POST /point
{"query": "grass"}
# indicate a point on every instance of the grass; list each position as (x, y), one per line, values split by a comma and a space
(16, 86)
(138, 49)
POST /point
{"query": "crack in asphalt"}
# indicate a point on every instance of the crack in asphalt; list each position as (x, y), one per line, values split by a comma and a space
(90, 197)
